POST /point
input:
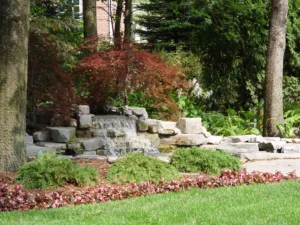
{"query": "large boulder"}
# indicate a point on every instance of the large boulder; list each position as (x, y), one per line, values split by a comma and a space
(62, 134)
(190, 125)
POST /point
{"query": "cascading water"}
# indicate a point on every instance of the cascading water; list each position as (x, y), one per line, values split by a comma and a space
(120, 136)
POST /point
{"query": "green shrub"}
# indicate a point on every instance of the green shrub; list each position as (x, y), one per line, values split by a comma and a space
(48, 171)
(138, 168)
(196, 159)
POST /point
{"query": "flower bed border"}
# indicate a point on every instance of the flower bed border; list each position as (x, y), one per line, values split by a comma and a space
(14, 198)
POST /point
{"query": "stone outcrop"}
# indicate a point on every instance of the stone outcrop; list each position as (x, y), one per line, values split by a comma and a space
(133, 131)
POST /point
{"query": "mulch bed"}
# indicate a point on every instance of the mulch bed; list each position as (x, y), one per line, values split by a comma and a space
(100, 164)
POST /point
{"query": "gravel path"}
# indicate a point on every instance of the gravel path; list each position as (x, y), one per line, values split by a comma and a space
(283, 165)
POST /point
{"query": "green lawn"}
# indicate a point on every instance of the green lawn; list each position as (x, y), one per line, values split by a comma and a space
(256, 204)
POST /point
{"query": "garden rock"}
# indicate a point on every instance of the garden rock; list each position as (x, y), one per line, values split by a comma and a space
(101, 152)
(89, 153)
(98, 132)
(153, 138)
(291, 148)
(84, 133)
(190, 125)
(291, 140)
(32, 150)
(271, 146)
(139, 112)
(62, 134)
(214, 140)
(142, 127)
(205, 132)
(153, 129)
(57, 146)
(184, 140)
(83, 109)
(254, 156)
(92, 143)
(233, 148)
(29, 139)
(243, 138)
(85, 121)
(42, 136)
(260, 139)
(73, 122)
(74, 146)
(168, 128)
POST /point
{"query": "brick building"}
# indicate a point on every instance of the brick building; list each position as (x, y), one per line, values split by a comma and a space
(105, 22)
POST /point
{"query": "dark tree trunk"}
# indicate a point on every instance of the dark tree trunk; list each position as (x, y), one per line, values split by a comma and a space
(117, 33)
(14, 25)
(128, 21)
(89, 18)
(273, 111)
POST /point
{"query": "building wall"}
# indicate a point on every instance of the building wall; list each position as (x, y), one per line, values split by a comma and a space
(105, 23)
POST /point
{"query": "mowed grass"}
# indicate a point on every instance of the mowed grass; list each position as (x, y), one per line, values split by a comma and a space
(254, 204)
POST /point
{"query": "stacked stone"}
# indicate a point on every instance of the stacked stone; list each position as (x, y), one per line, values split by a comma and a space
(85, 138)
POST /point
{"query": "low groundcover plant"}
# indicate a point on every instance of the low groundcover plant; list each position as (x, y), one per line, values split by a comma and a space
(14, 198)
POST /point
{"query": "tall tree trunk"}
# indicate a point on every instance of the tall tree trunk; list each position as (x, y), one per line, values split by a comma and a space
(89, 18)
(273, 109)
(117, 33)
(14, 25)
(128, 21)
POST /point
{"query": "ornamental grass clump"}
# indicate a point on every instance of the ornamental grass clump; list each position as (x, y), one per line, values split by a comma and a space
(139, 167)
(203, 160)
(48, 171)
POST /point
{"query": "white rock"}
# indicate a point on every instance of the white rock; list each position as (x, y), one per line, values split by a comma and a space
(85, 121)
(243, 138)
(84, 109)
(190, 125)
(166, 126)
(291, 148)
(205, 132)
(184, 140)
(238, 147)
(253, 156)
(291, 140)
(214, 140)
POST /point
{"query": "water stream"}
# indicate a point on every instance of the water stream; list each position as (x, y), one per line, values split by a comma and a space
(120, 135)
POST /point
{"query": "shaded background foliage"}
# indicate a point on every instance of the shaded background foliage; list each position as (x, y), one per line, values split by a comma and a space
(230, 39)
